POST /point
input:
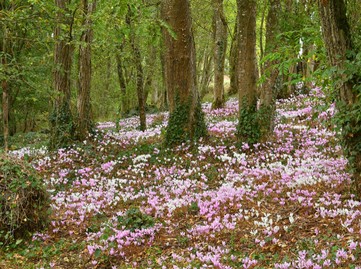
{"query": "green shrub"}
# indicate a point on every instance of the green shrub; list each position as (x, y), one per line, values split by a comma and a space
(24, 202)
(135, 219)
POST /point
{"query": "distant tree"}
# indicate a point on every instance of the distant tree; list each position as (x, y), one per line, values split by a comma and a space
(219, 51)
(337, 39)
(186, 120)
(84, 117)
(22, 47)
(62, 126)
(248, 128)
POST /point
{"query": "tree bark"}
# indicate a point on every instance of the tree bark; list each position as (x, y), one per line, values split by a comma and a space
(247, 71)
(220, 47)
(62, 130)
(122, 82)
(205, 77)
(337, 39)
(267, 95)
(247, 65)
(5, 95)
(186, 119)
(84, 119)
(272, 29)
(139, 68)
(233, 60)
(5, 108)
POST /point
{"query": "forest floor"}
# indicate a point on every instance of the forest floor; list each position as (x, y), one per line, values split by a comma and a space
(122, 200)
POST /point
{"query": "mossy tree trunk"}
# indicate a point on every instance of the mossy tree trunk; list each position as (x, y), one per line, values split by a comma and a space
(248, 129)
(219, 51)
(84, 120)
(186, 120)
(337, 38)
(62, 127)
(267, 95)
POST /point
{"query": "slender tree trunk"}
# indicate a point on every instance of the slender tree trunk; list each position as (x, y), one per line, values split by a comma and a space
(5, 89)
(186, 119)
(205, 77)
(261, 44)
(267, 95)
(108, 74)
(337, 39)
(84, 121)
(121, 79)
(62, 130)
(139, 67)
(220, 47)
(5, 108)
(272, 29)
(233, 60)
(247, 71)
(164, 96)
(140, 87)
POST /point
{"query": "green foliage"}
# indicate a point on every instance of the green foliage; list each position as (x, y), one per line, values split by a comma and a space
(193, 208)
(24, 201)
(28, 60)
(248, 129)
(134, 219)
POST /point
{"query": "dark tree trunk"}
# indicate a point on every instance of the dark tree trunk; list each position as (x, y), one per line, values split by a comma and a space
(186, 119)
(5, 108)
(84, 121)
(140, 87)
(139, 68)
(5, 89)
(337, 39)
(164, 97)
(220, 46)
(122, 82)
(205, 76)
(62, 130)
(233, 60)
(247, 71)
(5, 52)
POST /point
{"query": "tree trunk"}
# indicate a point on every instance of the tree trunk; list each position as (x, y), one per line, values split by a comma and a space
(5, 95)
(62, 129)
(139, 67)
(186, 119)
(5, 107)
(205, 77)
(233, 60)
(122, 82)
(84, 121)
(337, 39)
(220, 46)
(267, 95)
(272, 29)
(248, 129)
